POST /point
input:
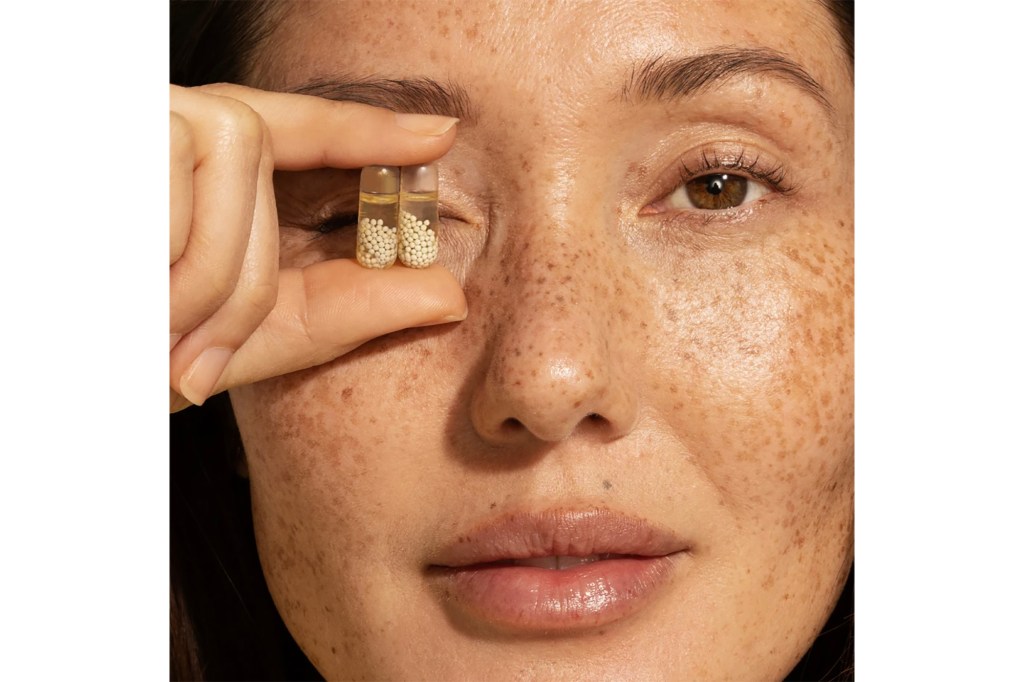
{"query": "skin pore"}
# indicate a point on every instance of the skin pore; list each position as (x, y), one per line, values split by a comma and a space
(625, 351)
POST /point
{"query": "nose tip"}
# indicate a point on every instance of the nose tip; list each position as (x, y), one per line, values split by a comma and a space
(550, 401)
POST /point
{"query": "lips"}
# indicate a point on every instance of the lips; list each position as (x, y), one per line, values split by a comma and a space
(555, 571)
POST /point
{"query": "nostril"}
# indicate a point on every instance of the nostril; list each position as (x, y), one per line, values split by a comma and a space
(512, 425)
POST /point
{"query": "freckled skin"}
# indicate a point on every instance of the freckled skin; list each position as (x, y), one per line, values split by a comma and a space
(699, 374)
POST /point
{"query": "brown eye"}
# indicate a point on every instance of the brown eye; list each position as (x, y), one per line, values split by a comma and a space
(714, 192)
(717, 191)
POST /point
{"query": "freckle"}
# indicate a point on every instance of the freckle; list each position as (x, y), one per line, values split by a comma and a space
(493, 505)
(607, 484)
(334, 650)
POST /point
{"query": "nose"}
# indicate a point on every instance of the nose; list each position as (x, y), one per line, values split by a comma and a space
(558, 363)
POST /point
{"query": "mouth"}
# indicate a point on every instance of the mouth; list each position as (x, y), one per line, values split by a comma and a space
(555, 571)
(558, 563)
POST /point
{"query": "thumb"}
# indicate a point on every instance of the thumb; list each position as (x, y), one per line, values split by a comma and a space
(326, 310)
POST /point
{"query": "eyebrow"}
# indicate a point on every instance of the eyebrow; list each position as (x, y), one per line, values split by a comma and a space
(404, 95)
(662, 78)
(654, 79)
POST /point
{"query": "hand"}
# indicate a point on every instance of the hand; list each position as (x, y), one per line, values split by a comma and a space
(234, 317)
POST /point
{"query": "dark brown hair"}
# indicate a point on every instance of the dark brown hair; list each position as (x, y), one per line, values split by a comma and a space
(224, 625)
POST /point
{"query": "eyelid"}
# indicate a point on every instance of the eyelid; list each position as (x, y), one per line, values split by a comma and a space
(307, 199)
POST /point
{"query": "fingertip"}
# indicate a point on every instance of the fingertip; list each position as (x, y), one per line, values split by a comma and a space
(435, 292)
(199, 380)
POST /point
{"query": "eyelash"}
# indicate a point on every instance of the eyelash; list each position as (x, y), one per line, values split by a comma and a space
(334, 223)
(772, 175)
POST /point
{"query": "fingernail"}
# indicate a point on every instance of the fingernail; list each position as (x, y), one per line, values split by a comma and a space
(457, 318)
(174, 340)
(425, 124)
(198, 381)
(443, 320)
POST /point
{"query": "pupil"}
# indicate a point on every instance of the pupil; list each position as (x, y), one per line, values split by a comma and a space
(716, 184)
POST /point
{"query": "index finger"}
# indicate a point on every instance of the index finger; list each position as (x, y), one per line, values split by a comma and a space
(313, 132)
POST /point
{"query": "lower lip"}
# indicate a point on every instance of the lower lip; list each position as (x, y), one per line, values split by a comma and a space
(526, 598)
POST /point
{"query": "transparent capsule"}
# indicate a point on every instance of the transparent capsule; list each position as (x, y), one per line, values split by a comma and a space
(377, 229)
(418, 222)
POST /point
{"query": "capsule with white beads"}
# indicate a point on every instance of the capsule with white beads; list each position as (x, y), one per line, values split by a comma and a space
(418, 222)
(377, 228)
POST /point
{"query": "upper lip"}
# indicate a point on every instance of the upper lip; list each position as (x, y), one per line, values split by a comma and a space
(555, 532)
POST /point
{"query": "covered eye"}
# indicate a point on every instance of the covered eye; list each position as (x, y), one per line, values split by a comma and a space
(716, 192)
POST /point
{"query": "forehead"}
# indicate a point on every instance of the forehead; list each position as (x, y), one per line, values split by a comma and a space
(561, 50)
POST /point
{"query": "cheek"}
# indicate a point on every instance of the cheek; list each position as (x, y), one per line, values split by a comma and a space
(756, 382)
(759, 347)
(338, 492)
(760, 355)
(328, 444)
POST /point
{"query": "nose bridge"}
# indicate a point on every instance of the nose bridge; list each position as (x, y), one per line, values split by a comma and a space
(555, 360)
(558, 262)
(558, 252)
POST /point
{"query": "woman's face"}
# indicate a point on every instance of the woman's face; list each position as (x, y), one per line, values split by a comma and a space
(655, 380)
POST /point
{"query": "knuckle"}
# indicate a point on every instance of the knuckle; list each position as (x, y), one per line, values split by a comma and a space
(182, 138)
(238, 123)
(261, 299)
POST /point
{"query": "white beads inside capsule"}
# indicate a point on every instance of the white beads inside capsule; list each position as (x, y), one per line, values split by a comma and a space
(418, 221)
(377, 227)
